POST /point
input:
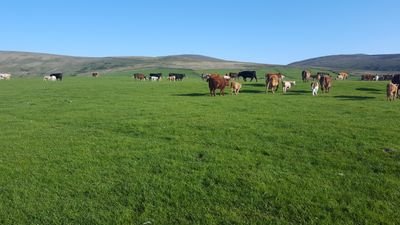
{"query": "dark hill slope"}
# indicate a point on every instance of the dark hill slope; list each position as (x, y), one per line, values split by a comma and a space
(390, 62)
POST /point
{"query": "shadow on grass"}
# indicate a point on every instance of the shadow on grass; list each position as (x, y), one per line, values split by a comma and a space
(251, 91)
(298, 92)
(253, 84)
(193, 94)
(353, 98)
(370, 90)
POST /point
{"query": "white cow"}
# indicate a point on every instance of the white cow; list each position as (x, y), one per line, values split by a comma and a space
(5, 76)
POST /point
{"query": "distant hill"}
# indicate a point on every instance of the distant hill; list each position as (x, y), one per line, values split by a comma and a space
(27, 63)
(361, 62)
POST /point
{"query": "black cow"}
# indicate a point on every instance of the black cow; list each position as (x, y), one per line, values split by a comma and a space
(57, 75)
(158, 75)
(247, 74)
(396, 79)
(178, 76)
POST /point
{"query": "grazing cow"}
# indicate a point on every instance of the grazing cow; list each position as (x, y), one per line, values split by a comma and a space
(305, 75)
(155, 78)
(58, 76)
(388, 76)
(216, 81)
(47, 77)
(5, 76)
(205, 76)
(339, 77)
(272, 82)
(314, 88)
(315, 77)
(325, 83)
(247, 74)
(171, 78)
(226, 77)
(367, 77)
(95, 74)
(391, 91)
(235, 87)
(178, 76)
(158, 75)
(287, 85)
(344, 75)
(139, 76)
(233, 76)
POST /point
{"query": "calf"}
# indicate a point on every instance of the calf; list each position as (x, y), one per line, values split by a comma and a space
(287, 85)
(235, 86)
(314, 88)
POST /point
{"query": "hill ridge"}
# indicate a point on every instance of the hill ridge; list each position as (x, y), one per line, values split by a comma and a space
(33, 63)
(366, 62)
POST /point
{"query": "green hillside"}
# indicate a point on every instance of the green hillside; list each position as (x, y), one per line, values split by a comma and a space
(27, 64)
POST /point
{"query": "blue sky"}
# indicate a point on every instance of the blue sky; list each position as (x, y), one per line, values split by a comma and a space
(277, 32)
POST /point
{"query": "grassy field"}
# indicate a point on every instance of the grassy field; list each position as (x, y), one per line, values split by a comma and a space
(113, 150)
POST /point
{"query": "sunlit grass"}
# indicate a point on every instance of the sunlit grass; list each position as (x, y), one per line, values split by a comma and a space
(113, 150)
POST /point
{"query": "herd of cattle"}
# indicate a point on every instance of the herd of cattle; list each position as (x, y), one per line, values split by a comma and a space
(320, 80)
(158, 76)
(272, 81)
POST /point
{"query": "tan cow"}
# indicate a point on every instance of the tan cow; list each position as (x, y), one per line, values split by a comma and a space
(235, 86)
(344, 75)
(391, 91)
(272, 81)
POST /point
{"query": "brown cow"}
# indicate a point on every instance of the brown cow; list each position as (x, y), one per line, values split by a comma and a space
(272, 81)
(139, 76)
(391, 91)
(305, 75)
(215, 81)
(367, 77)
(325, 83)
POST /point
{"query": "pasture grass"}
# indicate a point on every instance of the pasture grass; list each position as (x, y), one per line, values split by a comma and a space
(111, 150)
